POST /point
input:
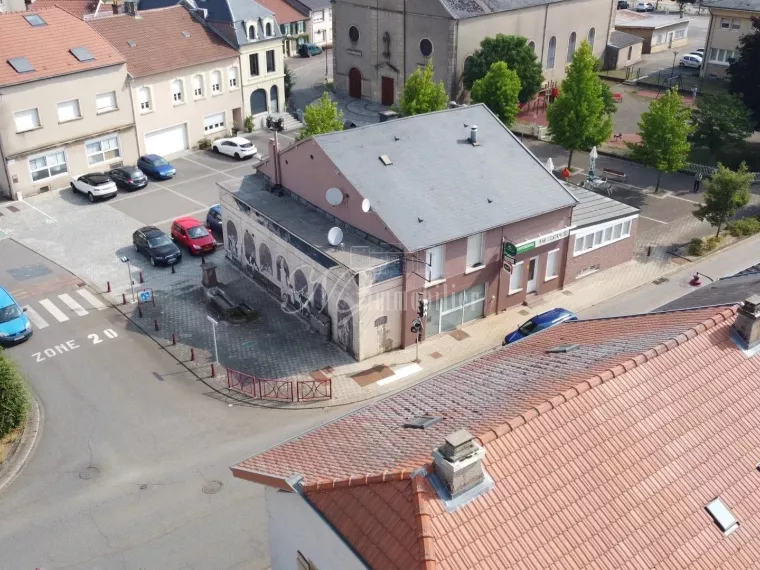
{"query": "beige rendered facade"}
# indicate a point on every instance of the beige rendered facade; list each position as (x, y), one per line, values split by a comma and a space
(54, 128)
(263, 86)
(727, 26)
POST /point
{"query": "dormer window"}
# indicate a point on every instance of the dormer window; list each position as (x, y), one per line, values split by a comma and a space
(268, 29)
(252, 32)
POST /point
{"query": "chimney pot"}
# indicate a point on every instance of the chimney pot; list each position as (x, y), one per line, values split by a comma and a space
(474, 134)
(459, 462)
(747, 323)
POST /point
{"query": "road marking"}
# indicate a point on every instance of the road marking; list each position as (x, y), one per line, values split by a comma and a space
(167, 220)
(36, 319)
(92, 299)
(653, 220)
(49, 218)
(73, 305)
(53, 310)
(684, 199)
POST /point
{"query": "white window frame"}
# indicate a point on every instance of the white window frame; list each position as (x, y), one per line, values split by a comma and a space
(75, 117)
(479, 263)
(216, 88)
(737, 27)
(252, 24)
(318, 18)
(591, 37)
(551, 53)
(548, 277)
(274, 60)
(431, 277)
(109, 109)
(680, 34)
(521, 265)
(572, 41)
(233, 77)
(621, 225)
(215, 129)
(105, 160)
(149, 108)
(45, 154)
(202, 93)
(34, 127)
(725, 23)
(720, 56)
(181, 83)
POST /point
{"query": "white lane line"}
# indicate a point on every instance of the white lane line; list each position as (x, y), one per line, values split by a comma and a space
(36, 319)
(653, 220)
(21, 199)
(684, 199)
(188, 198)
(167, 220)
(73, 305)
(91, 299)
(53, 310)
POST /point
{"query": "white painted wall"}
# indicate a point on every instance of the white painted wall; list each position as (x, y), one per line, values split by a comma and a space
(295, 527)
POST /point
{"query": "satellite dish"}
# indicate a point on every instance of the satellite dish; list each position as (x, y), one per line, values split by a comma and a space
(335, 236)
(365, 205)
(334, 196)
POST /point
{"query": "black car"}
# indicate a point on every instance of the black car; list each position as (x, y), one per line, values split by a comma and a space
(128, 177)
(157, 245)
(622, 4)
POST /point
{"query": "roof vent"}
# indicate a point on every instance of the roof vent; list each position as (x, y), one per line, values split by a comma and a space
(131, 43)
(21, 64)
(459, 463)
(422, 422)
(724, 518)
(562, 348)
(474, 135)
(35, 20)
(386, 160)
(82, 54)
(747, 323)
(186, 34)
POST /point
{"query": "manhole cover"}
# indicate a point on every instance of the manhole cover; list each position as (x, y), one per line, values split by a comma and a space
(212, 487)
(89, 473)
(26, 272)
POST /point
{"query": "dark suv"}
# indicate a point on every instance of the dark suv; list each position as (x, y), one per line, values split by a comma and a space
(128, 177)
(157, 245)
(622, 4)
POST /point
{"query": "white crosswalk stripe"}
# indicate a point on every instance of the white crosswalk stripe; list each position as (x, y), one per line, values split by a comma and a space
(36, 319)
(53, 310)
(73, 305)
(92, 299)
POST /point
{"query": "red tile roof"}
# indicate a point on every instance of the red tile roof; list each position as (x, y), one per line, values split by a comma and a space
(159, 41)
(283, 12)
(47, 47)
(76, 8)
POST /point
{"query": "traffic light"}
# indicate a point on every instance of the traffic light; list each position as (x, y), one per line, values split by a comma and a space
(422, 308)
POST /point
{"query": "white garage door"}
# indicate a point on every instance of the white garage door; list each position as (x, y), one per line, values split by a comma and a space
(166, 141)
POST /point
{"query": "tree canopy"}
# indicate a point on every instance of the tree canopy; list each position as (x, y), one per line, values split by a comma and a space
(516, 53)
(725, 194)
(499, 90)
(580, 117)
(322, 116)
(14, 397)
(744, 71)
(422, 94)
(720, 119)
(665, 129)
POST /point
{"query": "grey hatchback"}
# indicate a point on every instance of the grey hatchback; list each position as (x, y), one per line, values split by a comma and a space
(158, 246)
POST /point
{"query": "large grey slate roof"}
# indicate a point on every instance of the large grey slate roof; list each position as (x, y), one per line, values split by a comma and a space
(630, 19)
(746, 5)
(622, 40)
(594, 208)
(732, 289)
(461, 9)
(442, 179)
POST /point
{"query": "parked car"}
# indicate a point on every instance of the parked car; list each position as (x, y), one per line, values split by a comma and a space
(14, 324)
(155, 166)
(622, 4)
(700, 52)
(128, 177)
(540, 322)
(309, 50)
(214, 219)
(95, 186)
(193, 235)
(158, 246)
(238, 147)
(645, 7)
(690, 60)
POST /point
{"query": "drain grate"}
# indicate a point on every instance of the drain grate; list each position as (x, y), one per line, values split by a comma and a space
(212, 487)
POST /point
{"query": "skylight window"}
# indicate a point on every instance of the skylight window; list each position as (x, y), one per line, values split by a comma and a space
(35, 20)
(562, 348)
(21, 64)
(724, 518)
(422, 422)
(186, 34)
(386, 160)
(131, 43)
(82, 54)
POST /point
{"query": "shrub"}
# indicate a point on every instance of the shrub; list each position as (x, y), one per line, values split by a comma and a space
(248, 124)
(14, 397)
(744, 227)
(204, 143)
(709, 244)
(695, 247)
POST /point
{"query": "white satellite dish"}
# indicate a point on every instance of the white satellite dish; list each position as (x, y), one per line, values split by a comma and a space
(365, 205)
(334, 196)
(335, 236)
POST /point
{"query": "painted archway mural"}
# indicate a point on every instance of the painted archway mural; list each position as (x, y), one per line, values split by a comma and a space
(345, 330)
(283, 271)
(232, 241)
(320, 299)
(249, 251)
(265, 259)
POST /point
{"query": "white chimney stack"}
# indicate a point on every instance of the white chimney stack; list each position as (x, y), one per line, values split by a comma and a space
(474, 134)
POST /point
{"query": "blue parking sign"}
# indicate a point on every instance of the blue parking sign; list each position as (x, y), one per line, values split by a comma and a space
(145, 296)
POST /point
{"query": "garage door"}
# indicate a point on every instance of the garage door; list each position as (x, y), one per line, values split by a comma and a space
(166, 141)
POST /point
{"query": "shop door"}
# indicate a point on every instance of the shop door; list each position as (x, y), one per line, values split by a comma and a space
(387, 91)
(532, 275)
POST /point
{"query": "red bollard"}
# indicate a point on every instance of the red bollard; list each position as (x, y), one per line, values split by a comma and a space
(139, 311)
(174, 339)
(141, 278)
(192, 354)
(155, 324)
(108, 289)
(695, 282)
(123, 299)
(213, 371)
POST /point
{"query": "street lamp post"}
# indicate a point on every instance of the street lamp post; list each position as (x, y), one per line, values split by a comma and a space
(125, 259)
(213, 331)
(673, 69)
(326, 72)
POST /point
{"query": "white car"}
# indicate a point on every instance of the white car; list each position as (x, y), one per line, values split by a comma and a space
(238, 147)
(691, 60)
(645, 7)
(95, 185)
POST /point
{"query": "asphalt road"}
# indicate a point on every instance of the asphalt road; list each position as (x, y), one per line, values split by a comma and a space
(132, 446)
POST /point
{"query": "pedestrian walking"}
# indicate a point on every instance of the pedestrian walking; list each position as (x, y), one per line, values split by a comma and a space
(697, 181)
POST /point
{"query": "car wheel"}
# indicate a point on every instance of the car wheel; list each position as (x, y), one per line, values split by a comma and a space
(680, 64)
(152, 261)
(215, 149)
(90, 197)
(74, 188)
(237, 155)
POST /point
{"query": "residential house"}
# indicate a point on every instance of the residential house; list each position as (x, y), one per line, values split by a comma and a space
(660, 32)
(78, 8)
(377, 45)
(65, 106)
(444, 193)
(185, 80)
(627, 442)
(729, 21)
(293, 19)
(623, 50)
(320, 21)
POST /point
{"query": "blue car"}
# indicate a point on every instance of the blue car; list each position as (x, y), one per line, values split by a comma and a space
(14, 324)
(214, 219)
(155, 166)
(539, 323)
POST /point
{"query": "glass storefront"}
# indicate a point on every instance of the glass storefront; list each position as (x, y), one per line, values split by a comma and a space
(450, 312)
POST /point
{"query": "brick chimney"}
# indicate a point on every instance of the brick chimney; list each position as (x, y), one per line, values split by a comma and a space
(459, 462)
(747, 323)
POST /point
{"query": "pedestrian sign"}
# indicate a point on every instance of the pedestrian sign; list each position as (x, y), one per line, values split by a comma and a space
(145, 296)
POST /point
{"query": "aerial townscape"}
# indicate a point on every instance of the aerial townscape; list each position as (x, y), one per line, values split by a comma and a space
(379, 284)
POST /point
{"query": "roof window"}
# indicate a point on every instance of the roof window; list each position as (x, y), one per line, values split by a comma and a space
(422, 422)
(82, 54)
(131, 43)
(186, 34)
(35, 20)
(724, 518)
(21, 64)
(386, 160)
(563, 348)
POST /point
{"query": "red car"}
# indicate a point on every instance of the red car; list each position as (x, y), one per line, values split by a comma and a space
(193, 235)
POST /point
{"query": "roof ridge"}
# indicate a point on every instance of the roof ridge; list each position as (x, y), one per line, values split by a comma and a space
(504, 428)
(424, 521)
(368, 479)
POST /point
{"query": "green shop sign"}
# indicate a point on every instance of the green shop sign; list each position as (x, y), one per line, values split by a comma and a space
(526, 247)
(508, 249)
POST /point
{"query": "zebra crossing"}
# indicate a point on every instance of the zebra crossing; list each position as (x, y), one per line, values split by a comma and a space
(53, 312)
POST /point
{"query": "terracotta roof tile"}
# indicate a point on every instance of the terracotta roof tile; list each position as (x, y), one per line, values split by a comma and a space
(160, 43)
(78, 8)
(47, 47)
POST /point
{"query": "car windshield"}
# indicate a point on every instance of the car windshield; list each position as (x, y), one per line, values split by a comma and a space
(246, 145)
(528, 328)
(9, 313)
(159, 241)
(197, 232)
(160, 162)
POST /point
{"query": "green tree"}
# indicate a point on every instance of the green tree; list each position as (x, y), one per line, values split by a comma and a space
(580, 117)
(290, 79)
(322, 116)
(720, 120)
(664, 129)
(725, 194)
(14, 398)
(744, 71)
(516, 53)
(422, 94)
(499, 90)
